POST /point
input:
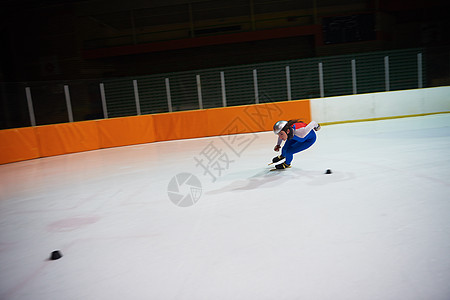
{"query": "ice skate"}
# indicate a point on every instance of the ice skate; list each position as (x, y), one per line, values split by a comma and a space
(282, 166)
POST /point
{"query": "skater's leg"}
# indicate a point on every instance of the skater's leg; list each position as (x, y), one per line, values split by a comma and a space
(298, 147)
(286, 150)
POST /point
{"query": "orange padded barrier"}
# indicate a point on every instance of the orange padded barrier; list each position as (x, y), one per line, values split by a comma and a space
(67, 138)
(181, 125)
(126, 131)
(27, 143)
(299, 109)
(229, 120)
(254, 118)
(18, 144)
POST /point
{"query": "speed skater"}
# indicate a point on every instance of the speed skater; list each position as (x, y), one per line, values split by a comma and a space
(297, 135)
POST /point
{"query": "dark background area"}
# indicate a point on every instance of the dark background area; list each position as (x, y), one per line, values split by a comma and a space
(48, 44)
(74, 39)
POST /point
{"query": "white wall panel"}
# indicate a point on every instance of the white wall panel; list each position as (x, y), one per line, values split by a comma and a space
(381, 105)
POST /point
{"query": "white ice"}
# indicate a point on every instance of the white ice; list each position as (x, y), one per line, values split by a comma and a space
(378, 227)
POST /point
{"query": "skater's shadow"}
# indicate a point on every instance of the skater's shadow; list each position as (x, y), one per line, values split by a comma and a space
(269, 179)
(258, 180)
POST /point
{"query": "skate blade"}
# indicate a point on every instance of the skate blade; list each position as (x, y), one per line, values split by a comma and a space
(275, 169)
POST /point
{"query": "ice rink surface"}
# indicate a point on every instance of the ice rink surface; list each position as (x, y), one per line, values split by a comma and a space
(206, 219)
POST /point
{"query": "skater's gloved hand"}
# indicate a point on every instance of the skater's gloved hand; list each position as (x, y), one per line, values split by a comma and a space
(317, 128)
(277, 148)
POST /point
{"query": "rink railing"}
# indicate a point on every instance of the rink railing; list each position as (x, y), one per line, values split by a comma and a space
(251, 85)
(49, 140)
(44, 103)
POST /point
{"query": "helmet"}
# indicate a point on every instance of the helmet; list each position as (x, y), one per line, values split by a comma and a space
(279, 126)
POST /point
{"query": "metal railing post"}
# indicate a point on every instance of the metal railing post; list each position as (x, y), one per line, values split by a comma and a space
(224, 93)
(68, 103)
(288, 83)
(355, 90)
(169, 97)
(136, 97)
(322, 94)
(419, 71)
(199, 92)
(255, 85)
(30, 106)
(386, 73)
(102, 95)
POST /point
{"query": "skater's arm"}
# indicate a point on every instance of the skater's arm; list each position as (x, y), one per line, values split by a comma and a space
(278, 145)
(303, 131)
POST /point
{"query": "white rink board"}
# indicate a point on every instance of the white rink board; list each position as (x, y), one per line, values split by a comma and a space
(381, 105)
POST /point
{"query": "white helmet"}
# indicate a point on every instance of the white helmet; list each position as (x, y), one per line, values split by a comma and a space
(279, 126)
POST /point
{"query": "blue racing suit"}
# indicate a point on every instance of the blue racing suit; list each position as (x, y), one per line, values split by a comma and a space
(304, 137)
